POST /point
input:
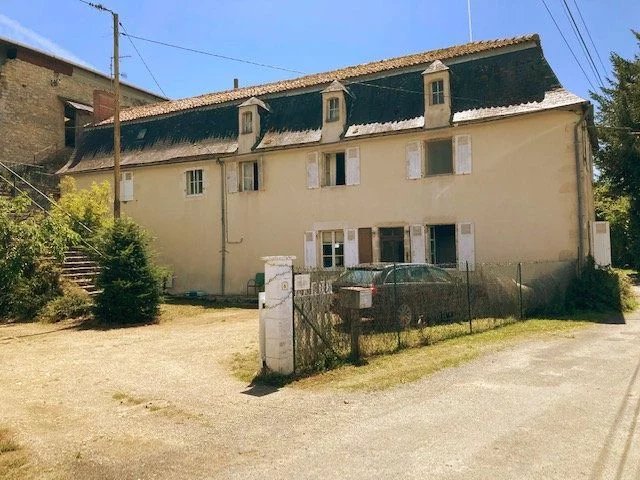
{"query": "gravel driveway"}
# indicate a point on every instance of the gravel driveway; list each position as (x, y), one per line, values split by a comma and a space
(158, 402)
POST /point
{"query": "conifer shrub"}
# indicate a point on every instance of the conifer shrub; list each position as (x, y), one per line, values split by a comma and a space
(130, 282)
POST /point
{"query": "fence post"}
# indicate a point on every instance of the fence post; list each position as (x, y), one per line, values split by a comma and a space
(354, 315)
(278, 313)
(520, 289)
(395, 303)
(293, 316)
(469, 299)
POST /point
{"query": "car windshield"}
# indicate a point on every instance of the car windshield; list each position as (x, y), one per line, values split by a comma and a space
(359, 277)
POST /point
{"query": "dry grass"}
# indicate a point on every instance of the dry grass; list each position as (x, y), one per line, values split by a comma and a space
(13, 459)
(126, 399)
(245, 365)
(386, 371)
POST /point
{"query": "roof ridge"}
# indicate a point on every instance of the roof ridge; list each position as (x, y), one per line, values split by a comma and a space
(320, 78)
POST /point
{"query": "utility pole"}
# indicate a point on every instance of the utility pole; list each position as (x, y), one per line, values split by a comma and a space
(116, 118)
(116, 106)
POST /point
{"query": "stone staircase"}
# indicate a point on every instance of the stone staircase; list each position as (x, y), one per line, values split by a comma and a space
(81, 270)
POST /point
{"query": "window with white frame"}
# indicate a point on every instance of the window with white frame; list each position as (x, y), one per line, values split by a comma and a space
(250, 176)
(442, 245)
(437, 92)
(247, 122)
(334, 171)
(333, 109)
(332, 245)
(195, 182)
(439, 158)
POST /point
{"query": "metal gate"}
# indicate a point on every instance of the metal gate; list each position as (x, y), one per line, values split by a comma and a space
(320, 338)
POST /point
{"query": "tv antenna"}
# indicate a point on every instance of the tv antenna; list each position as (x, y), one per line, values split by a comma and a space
(469, 15)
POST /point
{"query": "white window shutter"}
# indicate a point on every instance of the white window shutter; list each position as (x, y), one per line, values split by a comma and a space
(353, 166)
(350, 247)
(232, 177)
(463, 154)
(260, 174)
(310, 250)
(600, 233)
(466, 246)
(418, 244)
(126, 186)
(413, 153)
(313, 170)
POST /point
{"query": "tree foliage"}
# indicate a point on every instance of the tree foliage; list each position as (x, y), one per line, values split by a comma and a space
(618, 159)
(130, 283)
(615, 209)
(31, 244)
(87, 211)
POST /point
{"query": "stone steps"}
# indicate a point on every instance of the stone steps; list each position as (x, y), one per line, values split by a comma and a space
(81, 270)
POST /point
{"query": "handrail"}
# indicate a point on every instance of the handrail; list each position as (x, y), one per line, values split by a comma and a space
(82, 240)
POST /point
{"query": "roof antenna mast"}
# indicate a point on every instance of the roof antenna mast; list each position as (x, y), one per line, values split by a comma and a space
(469, 15)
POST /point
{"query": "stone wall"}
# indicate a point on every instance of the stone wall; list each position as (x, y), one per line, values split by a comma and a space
(32, 106)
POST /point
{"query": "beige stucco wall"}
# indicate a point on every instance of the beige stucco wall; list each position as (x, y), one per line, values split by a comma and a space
(521, 197)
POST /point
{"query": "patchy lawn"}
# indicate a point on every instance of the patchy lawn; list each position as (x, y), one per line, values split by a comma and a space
(408, 365)
(13, 458)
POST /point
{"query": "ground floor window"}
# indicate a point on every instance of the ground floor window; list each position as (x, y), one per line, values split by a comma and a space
(332, 245)
(442, 245)
(391, 244)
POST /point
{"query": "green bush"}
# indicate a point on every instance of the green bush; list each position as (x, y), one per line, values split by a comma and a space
(74, 303)
(31, 244)
(600, 290)
(130, 283)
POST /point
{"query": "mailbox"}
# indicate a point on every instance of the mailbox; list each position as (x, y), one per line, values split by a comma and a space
(355, 297)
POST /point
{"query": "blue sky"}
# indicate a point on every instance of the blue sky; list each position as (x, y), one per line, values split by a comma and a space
(308, 36)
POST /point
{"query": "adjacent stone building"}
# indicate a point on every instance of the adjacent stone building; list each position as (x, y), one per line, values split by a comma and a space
(45, 101)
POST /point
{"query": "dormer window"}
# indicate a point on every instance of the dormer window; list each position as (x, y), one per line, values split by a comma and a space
(333, 109)
(437, 92)
(247, 122)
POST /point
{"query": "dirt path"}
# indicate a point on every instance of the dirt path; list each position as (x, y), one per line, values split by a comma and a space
(158, 402)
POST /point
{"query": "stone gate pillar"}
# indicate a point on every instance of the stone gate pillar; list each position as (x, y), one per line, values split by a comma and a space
(278, 313)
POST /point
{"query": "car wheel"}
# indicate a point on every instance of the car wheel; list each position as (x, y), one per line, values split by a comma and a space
(405, 315)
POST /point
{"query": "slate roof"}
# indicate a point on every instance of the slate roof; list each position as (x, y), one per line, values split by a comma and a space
(316, 79)
(497, 85)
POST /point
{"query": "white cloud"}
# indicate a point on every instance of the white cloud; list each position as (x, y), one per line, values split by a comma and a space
(14, 30)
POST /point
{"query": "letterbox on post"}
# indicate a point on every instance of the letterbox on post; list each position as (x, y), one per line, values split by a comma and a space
(356, 297)
(353, 300)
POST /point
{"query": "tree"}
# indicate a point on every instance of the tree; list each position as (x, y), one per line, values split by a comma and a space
(614, 209)
(618, 159)
(83, 209)
(130, 283)
(31, 244)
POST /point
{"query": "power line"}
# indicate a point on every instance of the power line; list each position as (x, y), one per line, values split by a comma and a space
(583, 44)
(142, 59)
(567, 44)
(604, 69)
(211, 54)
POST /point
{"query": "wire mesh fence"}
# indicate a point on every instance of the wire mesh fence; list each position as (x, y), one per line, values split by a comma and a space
(416, 304)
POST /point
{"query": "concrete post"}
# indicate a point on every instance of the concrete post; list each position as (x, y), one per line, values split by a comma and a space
(278, 313)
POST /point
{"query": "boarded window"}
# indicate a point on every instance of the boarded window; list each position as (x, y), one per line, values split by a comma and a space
(247, 122)
(439, 157)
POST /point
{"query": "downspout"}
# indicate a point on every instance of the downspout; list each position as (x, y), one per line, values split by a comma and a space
(580, 193)
(223, 229)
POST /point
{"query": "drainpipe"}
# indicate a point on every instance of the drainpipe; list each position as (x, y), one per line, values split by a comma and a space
(223, 229)
(580, 182)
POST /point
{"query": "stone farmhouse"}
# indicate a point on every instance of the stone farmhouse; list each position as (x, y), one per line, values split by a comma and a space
(45, 101)
(467, 154)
